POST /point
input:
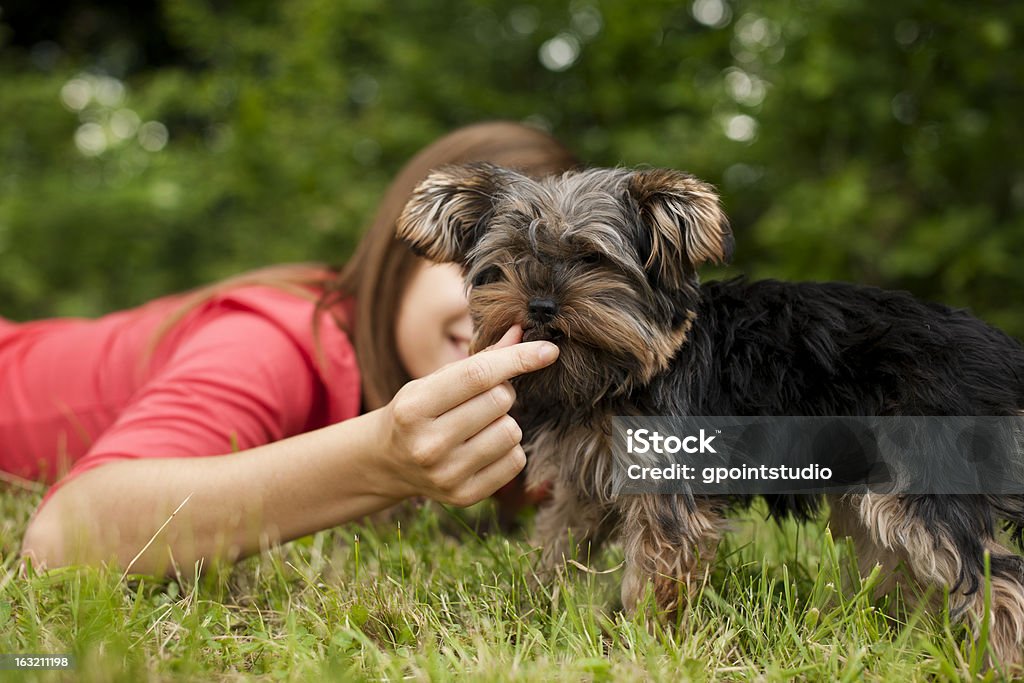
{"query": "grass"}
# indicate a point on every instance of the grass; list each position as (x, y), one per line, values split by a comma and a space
(433, 598)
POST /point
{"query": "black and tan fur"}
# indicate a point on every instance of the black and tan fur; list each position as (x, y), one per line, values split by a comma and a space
(603, 262)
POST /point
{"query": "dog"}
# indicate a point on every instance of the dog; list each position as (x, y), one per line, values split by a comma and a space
(604, 262)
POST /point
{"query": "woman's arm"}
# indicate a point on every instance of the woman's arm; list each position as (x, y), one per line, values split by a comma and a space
(446, 436)
(268, 494)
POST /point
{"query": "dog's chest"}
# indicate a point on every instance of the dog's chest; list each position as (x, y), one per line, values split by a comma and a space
(576, 455)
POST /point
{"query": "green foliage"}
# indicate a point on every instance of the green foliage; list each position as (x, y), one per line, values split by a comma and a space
(873, 142)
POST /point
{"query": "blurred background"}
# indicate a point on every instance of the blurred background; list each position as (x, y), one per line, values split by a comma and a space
(148, 147)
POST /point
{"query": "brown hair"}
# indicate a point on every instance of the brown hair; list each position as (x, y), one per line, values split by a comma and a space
(377, 273)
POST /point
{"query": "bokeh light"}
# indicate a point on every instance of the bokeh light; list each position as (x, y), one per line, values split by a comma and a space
(559, 53)
(740, 127)
(713, 13)
(153, 136)
(91, 139)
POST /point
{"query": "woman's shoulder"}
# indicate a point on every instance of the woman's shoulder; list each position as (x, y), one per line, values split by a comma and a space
(321, 334)
(293, 307)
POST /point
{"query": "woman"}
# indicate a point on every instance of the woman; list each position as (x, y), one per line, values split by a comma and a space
(317, 398)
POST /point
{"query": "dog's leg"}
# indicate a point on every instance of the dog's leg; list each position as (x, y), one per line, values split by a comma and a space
(845, 522)
(669, 543)
(941, 542)
(568, 527)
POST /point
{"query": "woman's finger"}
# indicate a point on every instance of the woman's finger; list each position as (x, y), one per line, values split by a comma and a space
(489, 444)
(457, 383)
(495, 475)
(473, 416)
(514, 335)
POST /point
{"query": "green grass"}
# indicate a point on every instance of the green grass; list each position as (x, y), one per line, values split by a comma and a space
(434, 598)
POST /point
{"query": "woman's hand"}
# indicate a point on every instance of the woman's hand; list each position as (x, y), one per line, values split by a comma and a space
(448, 436)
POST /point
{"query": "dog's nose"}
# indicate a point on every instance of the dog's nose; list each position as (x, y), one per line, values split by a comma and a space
(542, 310)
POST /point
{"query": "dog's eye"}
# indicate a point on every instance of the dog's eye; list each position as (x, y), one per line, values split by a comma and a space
(591, 259)
(486, 276)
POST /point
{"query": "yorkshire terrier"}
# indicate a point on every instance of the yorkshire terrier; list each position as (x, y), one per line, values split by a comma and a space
(604, 263)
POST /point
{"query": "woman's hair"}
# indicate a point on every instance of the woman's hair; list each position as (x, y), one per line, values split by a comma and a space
(377, 273)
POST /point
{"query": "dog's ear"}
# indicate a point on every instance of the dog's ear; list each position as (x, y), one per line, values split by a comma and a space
(448, 210)
(684, 222)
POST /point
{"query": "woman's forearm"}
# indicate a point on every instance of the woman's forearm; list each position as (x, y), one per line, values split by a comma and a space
(235, 503)
(447, 436)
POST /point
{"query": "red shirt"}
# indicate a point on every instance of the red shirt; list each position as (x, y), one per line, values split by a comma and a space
(239, 371)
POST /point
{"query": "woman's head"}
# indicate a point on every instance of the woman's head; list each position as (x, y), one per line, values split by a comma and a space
(411, 317)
